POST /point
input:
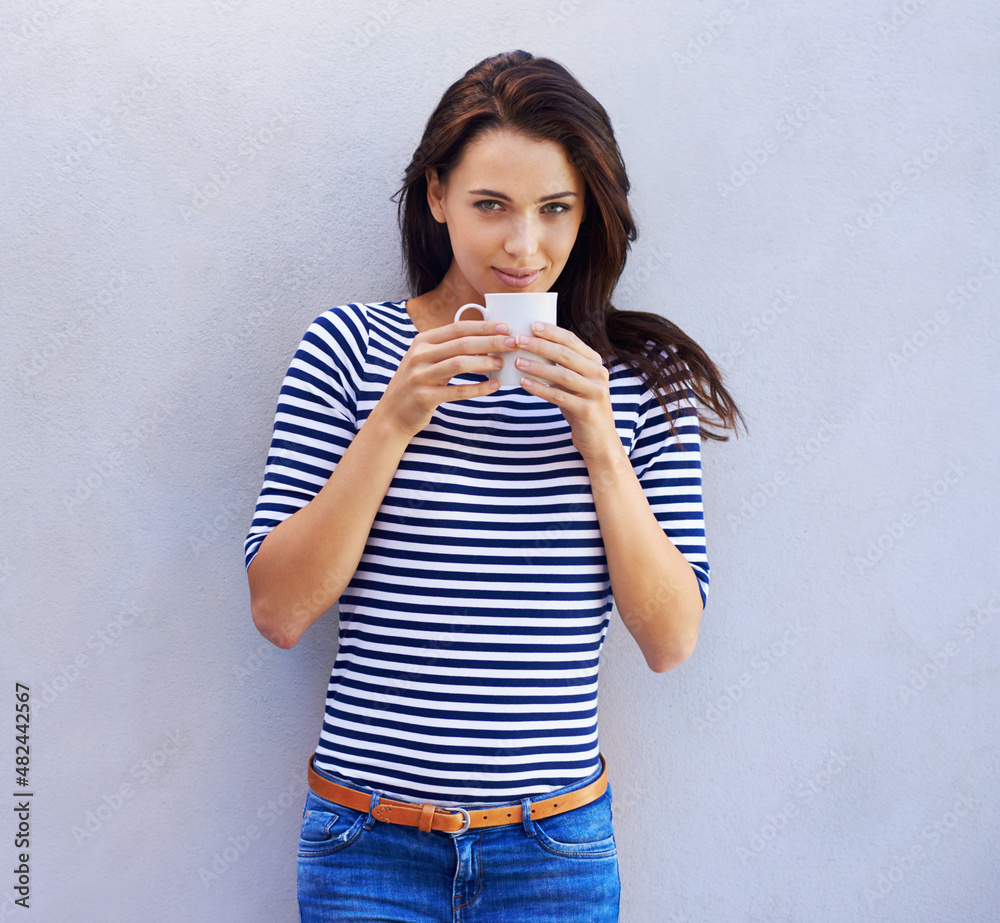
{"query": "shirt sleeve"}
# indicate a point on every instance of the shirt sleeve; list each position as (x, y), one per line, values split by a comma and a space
(668, 465)
(315, 420)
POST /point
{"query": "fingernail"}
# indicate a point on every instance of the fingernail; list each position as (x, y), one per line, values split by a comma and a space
(510, 342)
(521, 363)
(503, 328)
(523, 340)
(498, 363)
(537, 325)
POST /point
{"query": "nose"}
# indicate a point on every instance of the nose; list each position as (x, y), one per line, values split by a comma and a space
(522, 238)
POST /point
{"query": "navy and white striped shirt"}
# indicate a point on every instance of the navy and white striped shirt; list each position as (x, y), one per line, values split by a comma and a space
(471, 631)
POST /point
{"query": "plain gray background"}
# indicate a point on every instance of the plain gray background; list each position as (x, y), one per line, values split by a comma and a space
(186, 186)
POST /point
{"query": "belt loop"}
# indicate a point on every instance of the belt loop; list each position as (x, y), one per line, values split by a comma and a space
(374, 804)
(529, 824)
(426, 818)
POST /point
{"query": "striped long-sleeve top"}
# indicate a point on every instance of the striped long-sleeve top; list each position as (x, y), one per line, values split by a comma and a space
(470, 633)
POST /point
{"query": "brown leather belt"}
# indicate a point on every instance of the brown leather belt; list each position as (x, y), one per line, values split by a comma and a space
(453, 820)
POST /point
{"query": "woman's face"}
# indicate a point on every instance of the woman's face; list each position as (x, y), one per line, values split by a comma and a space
(513, 206)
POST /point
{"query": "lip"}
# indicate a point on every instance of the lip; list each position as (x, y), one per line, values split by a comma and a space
(516, 278)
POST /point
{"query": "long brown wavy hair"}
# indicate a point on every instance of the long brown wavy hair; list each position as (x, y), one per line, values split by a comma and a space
(541, 99)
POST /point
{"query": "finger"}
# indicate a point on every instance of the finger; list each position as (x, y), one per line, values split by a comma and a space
(587, 365)
(464, 328)
(464, 392)
(559, 376)
(442, 372)
(553, 393)
(557, 334)
(467, 346)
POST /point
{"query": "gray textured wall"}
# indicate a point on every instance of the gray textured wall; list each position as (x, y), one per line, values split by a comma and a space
(186, 185)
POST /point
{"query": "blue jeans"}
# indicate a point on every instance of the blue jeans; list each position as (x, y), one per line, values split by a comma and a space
(561, 869)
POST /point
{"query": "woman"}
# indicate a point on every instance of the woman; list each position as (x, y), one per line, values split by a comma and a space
(473, 535)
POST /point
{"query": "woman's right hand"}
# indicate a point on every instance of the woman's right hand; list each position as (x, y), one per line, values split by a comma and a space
(436, 356)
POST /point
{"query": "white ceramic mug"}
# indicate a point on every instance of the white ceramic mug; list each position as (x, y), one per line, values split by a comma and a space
(518, 310)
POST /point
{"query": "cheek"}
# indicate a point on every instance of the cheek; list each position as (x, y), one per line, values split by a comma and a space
(473, 252)
(565, 241)
(474, 241)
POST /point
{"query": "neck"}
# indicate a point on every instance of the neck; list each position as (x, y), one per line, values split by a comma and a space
(438, 306)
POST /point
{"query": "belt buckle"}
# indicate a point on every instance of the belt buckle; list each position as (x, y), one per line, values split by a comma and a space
(466, 821)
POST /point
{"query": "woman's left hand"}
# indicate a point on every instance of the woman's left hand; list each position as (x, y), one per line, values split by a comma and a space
(655, 589)
(579, 387)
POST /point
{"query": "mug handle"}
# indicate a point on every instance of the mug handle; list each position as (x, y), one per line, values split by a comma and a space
(471, 304)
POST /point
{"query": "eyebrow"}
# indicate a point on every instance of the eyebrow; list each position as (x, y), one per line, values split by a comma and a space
(499, 195)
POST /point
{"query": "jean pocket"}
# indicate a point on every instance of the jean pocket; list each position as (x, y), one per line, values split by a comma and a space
(327, 827)
(585, 832)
